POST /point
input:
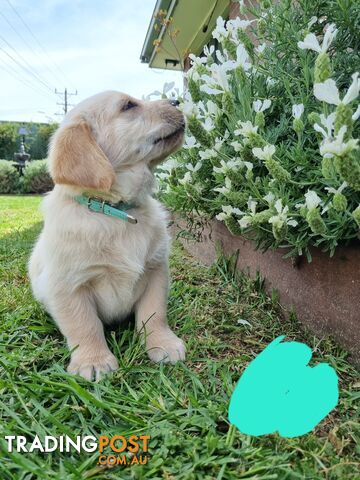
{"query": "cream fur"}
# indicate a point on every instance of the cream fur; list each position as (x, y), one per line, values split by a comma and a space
(87, 268)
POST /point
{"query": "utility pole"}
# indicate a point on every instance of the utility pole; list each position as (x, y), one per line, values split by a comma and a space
(65, 104)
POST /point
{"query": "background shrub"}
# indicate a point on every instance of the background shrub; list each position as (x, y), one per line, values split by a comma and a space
(36, 178)
(9, 177)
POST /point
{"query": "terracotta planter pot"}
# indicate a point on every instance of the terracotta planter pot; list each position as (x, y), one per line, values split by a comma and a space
(325, 293)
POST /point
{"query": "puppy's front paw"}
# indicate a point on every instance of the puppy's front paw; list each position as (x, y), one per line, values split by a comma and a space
(165, 347)
(92, 367)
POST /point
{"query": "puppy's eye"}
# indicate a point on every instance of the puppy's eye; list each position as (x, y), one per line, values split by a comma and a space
(128, 106)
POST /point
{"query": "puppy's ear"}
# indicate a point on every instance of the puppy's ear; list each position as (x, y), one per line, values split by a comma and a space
(76, 159)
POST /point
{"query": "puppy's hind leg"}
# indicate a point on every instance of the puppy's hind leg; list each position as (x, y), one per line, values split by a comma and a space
(150, 313)
(76, 315)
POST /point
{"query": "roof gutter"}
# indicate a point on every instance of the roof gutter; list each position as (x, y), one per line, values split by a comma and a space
(148, 50)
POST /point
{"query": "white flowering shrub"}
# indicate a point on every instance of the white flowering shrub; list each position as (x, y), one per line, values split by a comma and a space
(272, 128)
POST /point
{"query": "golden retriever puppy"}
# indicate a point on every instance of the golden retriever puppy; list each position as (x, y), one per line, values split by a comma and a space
(89, 268)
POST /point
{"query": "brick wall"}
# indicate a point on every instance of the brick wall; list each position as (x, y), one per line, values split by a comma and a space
(234, 10)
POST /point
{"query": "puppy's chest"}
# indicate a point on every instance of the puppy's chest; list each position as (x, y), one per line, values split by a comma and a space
(119, 280)
(115, 291)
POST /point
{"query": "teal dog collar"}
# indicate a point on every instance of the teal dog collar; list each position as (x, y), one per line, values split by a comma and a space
(117, 210)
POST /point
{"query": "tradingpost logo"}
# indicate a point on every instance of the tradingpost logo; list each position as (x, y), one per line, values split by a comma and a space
(131, 450)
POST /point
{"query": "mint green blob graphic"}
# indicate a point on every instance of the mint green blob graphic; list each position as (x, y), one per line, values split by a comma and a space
(279, 392)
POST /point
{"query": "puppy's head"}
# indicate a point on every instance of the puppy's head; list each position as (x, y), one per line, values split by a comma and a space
(110, 142)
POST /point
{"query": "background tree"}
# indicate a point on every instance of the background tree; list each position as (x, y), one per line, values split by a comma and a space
(8, 134)
(39, 145)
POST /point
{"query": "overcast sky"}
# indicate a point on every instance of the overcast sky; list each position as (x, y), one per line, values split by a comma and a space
(90, 45)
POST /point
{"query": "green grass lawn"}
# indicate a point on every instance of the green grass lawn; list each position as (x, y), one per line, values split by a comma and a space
(182, 407)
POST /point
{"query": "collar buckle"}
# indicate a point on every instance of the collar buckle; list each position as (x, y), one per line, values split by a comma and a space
(96, 199)
(118, 211)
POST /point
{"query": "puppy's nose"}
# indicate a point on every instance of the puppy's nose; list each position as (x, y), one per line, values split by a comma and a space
(174, 102)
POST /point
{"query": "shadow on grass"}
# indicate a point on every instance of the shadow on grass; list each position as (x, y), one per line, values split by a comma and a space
(21, 240)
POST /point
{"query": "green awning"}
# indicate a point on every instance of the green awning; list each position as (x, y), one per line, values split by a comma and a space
(194, 18)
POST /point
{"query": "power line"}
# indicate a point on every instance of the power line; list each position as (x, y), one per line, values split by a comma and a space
(11, 71)
(29, 72)
(56, 77)
(35, 38)
(42, 80)
(65, 103)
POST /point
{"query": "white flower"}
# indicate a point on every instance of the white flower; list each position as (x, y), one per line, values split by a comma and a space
(311, 42)
(353, 90)
(222, 169)
(297, 110)
(270, 82)
(246, 220)
(193, 168)
(356, 114)
(337, 146)
(162, 175)
(227, 211)
(329, 93)
(260, 48)
(327, 125)
(232, 164)
(198, 61)
(222, 57)
(264, 153)
(188, 107)
(190, 142)
(252, 204)
(281, 216)
(242, 58)
(208, 153)
(269, 198)
(312, 21)
(208, 124)
(218, 143)
(193, 74)
(211, 109)
(221, 216)
(167, 87)
(226, 189)
(220, 31)
(186, 179)
(246, 129)
(209, 51)
(170, 164)
(237, 24)
(237, 146)
(338, 190)
(217, 82)
(261, 106)
(312, 199)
